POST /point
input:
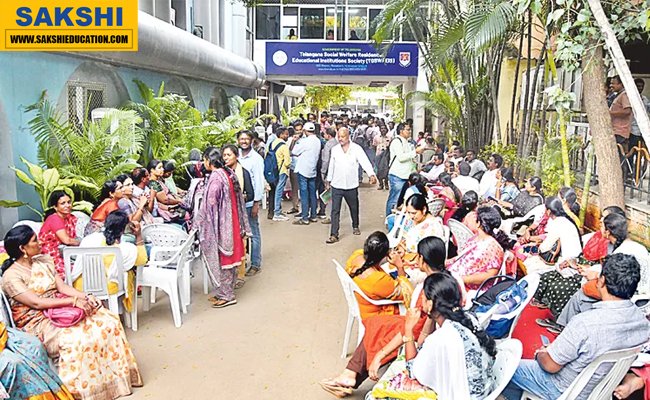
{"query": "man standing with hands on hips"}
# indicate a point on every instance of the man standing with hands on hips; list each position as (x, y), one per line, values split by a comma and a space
(342, 177)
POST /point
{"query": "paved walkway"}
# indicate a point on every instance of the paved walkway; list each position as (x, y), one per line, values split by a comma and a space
(284, 335)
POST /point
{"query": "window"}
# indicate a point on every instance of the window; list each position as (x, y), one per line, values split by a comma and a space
(330, 23)
(312, 23)
(340, 23)
(372, 26)
(290, 23)
(407, 34)
(267, 22)
(83, 98)
(358, 21)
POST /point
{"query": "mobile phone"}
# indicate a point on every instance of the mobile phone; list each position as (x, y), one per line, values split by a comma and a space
(492, 198)
(545, 340)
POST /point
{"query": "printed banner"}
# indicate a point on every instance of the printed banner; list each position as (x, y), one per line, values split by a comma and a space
(69, 25)
(340, 58)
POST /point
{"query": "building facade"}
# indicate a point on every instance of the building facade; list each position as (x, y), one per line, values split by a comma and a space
(201, 49)
(331, 26)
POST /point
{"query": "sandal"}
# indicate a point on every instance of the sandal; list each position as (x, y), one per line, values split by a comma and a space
(240, 283)
(537, 304)
(221, 303)
(335, 388)
(332, 239)
(213, 299)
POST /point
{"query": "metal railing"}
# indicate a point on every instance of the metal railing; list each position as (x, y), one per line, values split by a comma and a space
(635, 166)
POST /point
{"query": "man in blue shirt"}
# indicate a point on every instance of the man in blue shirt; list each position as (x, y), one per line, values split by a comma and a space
(614, 323)
(254, 164)
(307, 151)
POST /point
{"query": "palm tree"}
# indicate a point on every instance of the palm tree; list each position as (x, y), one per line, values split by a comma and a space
(465, 36)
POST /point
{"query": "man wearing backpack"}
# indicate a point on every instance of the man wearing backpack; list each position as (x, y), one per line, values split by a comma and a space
(401, 163)
(276, 172)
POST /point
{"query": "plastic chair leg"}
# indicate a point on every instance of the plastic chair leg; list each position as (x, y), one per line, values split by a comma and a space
(113, 304)
(361, 331)
(187, 283)
(346, 338)
(134, 315)
(153, 295)
(206, 278)
(174, 302)
(146, 298)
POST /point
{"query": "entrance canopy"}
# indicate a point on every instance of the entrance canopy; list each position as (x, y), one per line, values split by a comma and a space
(340, 63)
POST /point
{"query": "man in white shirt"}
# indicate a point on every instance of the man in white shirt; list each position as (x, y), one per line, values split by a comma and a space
(488, 185)
(477, 166)
(437, 169)
(463, 181)
(345, 159)
(307, 151)
(254, 164)
(401, 163)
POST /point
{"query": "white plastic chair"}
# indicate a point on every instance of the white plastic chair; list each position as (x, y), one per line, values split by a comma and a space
(5, 311)
(168, 274)
(349, 289)
(93, 272)
(459, 232)
(82, 220)
(621, 360)
(36, 226)
(165, 239)
(509, 354)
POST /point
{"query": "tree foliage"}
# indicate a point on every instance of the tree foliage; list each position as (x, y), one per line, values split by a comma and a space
(97, 151)
(320, 98)
(462, 44)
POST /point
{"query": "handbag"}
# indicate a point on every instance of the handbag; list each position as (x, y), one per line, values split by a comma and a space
(551, 256)
(65, 317)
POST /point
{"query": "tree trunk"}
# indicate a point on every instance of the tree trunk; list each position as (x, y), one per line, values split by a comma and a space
(566, 168)
(584, 202)
(515, 88)
(610, 175)
(525, 110)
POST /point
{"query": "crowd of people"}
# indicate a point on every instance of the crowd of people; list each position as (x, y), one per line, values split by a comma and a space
(436, 349)
(587, 280)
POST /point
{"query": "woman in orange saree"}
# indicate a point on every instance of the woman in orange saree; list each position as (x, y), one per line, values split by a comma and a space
(365, 270)
(384, 333)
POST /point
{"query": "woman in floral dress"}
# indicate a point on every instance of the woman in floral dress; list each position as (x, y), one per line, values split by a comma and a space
(94, 358)
(482, 256)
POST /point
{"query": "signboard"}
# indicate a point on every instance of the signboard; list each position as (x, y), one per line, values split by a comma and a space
(340, 58)
(69, 25)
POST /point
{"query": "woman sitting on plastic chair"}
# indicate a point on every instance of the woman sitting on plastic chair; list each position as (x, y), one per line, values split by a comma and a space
(132, 254)
(482, 256)
(25, 372)
(109, 369)
(424, 224)
(414, 185)
(562, 241)
(364, 267)
(383, 333)
(452, 362)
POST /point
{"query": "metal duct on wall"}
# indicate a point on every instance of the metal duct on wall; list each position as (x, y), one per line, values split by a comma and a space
(165, 48)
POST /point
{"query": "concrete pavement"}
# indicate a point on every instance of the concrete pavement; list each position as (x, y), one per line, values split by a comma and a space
(283, 336)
